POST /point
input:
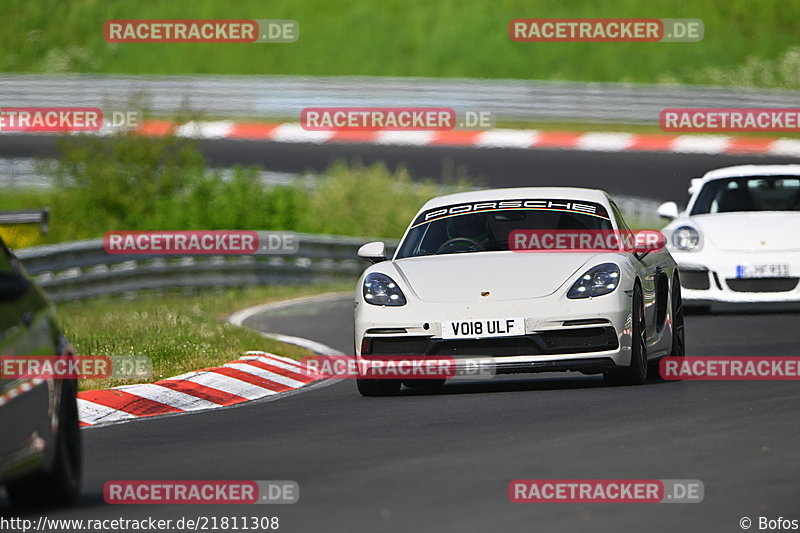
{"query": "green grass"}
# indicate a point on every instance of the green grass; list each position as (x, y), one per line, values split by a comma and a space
(746, 42)
(178, 332)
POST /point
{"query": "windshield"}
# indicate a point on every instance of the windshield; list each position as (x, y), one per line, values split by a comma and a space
(752, 193)
(486, 226)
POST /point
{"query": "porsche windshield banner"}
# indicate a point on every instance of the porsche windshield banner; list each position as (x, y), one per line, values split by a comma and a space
(548, 204)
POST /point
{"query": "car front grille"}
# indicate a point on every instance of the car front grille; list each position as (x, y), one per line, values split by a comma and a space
(695, 280)
(578, 340)
(762, 284)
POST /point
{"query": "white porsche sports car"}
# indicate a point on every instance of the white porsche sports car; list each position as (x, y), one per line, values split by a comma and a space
(739, 238)
(457, 287)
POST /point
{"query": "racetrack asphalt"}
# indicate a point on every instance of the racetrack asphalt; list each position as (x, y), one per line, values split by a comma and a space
(658, 175)
(443, 461)
(433, 461)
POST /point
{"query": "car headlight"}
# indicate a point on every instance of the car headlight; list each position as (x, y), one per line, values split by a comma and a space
(685, 238)
(597, 281)
(380, 289)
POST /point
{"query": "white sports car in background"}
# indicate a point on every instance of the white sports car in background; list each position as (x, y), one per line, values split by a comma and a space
(456, 288)
(739, 238)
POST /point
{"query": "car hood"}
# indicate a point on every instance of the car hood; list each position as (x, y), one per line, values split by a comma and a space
(504, 275)
(767, 231)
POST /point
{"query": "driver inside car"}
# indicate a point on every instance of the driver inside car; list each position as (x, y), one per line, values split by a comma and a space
(467, 233)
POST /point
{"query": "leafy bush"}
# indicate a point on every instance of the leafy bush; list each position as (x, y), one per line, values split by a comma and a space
(365, 200)
(755, 71)
(122, 182)
(132, 182)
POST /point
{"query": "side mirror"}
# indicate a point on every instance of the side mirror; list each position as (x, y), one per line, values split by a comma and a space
(374, 252)
(668, 210)
(648, 240)
(13, 287)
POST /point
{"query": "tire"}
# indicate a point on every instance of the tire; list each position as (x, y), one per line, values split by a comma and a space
(636, 372)
(423, 383)
(60, 484)
(678, 348)
(378, 387)
(678, 322)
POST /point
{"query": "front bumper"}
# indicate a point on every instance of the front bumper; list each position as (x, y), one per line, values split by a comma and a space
(711, 276)
(588, 335)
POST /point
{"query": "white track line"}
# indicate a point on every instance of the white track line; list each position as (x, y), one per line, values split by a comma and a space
(308, 344)
(240, 317)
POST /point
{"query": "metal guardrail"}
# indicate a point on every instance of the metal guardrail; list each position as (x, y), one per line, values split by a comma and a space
(27, 216)
(83, 269)
(29, 173)
(285, 96)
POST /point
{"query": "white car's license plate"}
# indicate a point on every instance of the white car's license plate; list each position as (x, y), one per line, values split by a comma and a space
(763, 271)
(492, 327)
